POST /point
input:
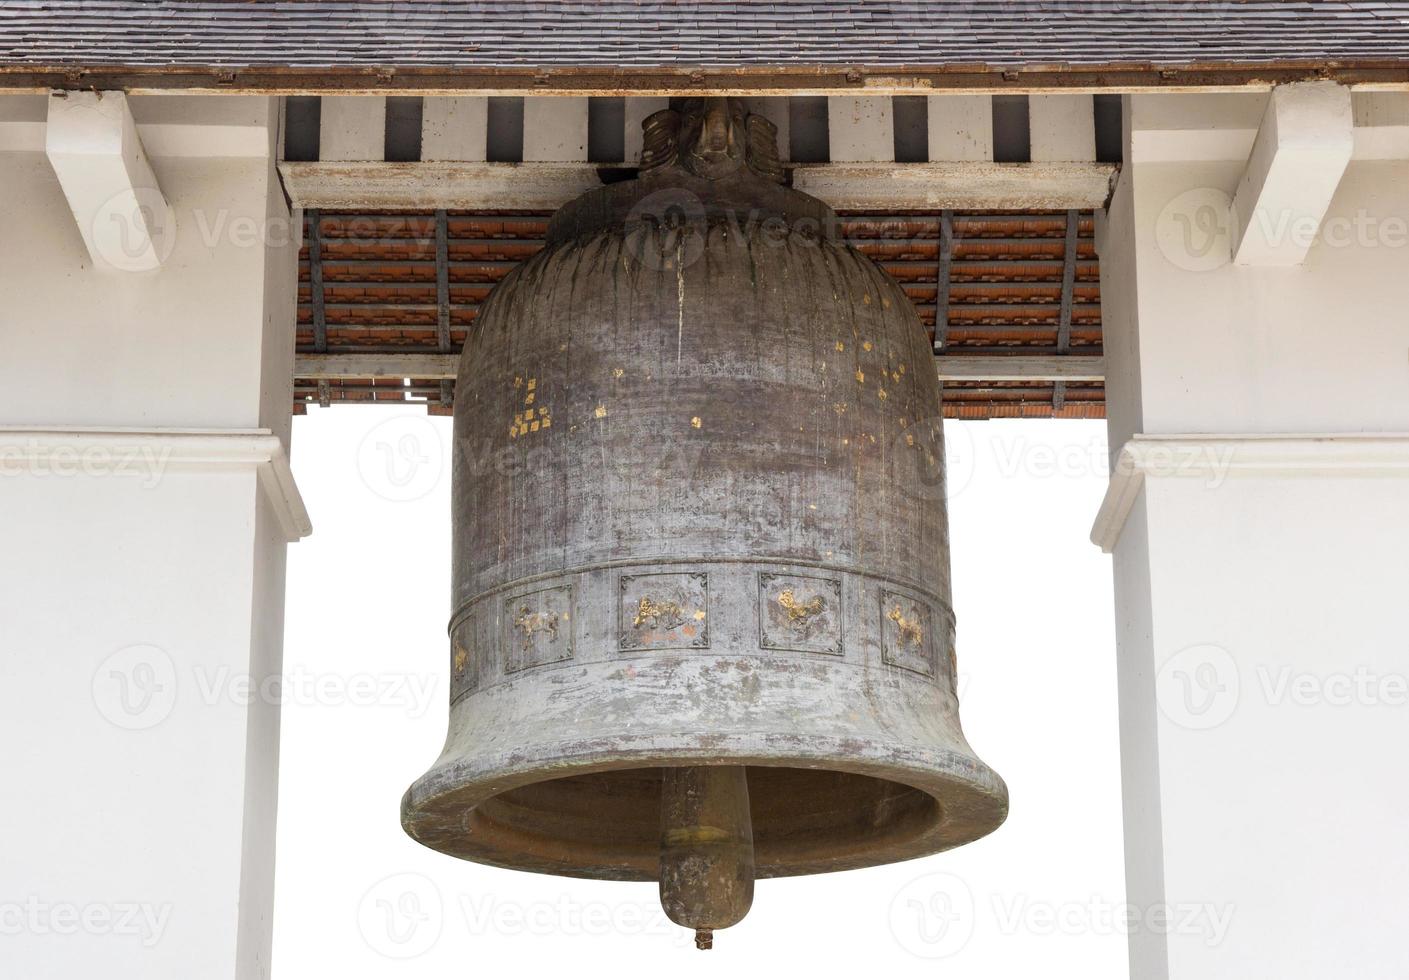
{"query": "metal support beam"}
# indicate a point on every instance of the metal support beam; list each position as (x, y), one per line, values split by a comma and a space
(315, 280)
(442, 296)
(1059, 390)
(941, 296)
(442, 281)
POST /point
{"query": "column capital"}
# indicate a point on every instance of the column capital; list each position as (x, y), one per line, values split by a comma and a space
(1216, 457)
(149, 453)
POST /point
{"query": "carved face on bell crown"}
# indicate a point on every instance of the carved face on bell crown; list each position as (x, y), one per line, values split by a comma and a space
(711, 138)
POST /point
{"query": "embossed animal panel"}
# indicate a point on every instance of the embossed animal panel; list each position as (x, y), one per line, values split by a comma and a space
(665, 611)
(800, 613)
(538, 628)
(907, 639)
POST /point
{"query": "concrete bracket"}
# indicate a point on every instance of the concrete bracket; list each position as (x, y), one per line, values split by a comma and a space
(91, 141)
(1303, 145)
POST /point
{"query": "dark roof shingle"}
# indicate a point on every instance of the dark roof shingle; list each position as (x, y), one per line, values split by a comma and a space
(707, 33)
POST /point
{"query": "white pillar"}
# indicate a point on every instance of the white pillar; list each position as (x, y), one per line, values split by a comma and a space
(146, 504)
(1259, 520)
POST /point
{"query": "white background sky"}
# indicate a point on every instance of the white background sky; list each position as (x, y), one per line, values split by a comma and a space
(367, 660)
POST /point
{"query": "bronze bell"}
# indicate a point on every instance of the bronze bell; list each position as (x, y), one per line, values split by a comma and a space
(702, 629)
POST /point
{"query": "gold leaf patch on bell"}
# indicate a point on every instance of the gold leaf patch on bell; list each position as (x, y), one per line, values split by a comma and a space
(801, 613)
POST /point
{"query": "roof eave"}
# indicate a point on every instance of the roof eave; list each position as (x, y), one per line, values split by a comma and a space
(791, 79)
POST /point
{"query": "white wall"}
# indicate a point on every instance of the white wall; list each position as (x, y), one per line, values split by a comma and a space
(137, 587)
(169, 348)
(1260, 582)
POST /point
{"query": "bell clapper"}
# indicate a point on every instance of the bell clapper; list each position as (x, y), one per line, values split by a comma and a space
(706, 851)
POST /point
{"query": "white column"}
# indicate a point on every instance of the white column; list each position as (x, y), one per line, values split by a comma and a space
(146, 503)
(1259, 422)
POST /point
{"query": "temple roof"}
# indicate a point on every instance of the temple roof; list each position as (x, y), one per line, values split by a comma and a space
(1192, 42)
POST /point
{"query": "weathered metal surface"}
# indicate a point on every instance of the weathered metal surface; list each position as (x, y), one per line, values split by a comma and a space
(948, 367)
(699, 520)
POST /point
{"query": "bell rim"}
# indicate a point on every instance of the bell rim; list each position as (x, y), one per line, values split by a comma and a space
(970, 797)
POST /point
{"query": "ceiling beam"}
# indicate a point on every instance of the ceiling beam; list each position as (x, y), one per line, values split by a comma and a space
(1035, 368)
(454, 185)
(963, 185)
(1021, 367)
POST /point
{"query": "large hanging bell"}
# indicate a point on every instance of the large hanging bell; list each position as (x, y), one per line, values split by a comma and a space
(701, 626)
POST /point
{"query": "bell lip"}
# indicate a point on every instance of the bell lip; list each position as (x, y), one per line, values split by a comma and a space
(972, 798)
